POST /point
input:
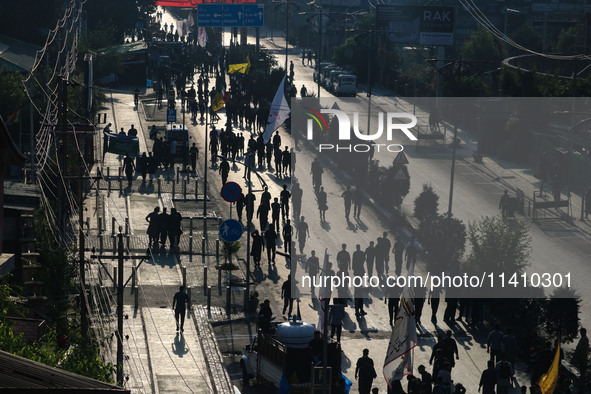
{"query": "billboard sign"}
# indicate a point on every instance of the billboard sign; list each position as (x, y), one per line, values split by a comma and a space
(417, 25)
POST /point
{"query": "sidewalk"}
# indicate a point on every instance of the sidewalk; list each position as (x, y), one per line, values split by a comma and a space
(156, 357)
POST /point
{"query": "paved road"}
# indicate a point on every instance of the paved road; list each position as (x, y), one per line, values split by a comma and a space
(476, 195)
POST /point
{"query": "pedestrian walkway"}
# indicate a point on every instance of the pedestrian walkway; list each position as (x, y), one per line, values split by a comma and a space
(156, 357)
(176, 357)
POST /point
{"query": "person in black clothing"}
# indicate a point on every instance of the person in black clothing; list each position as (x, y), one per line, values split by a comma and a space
(128, 168)
(278, 159)
(284, 197)
(141, 164)
(347, 197)
(450, 348)
(316, 171)
(426, 378)
(277, 140)
(266, 197)
(365, 372)
(263, 215)
(286, 296)
(136, 98)
(256, 250)
(265, 316)
(286, 161)
(249, 200)
(393, 301)
(287, 232)
(163, 224)
(179, 305)
(174, 230)
(193, 153)
(240, 206)
(357, 202)
(224, 170)
(275, 212)
(296, 199)
(315, 346)
(153, 227)
(270, 239)
(132, 132)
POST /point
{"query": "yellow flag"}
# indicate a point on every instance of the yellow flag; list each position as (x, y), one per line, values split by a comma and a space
(548, 381)
(239, 67)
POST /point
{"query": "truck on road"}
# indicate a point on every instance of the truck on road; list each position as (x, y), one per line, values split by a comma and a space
(284, 358)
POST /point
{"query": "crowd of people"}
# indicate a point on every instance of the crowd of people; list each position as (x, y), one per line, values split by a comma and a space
(271, 228)
(163, 226)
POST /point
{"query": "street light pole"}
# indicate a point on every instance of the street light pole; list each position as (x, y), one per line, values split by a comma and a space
(286, 32)
(369, 64)
(319, 55)
(205, 174)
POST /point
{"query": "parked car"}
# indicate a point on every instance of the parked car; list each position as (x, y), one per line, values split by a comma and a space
(345, 85)
(318, 71)
(331, 78)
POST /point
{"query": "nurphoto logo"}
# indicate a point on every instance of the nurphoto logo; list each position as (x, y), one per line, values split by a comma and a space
(393, 123)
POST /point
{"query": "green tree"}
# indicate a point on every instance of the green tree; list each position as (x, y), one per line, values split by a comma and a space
(498, 245)
(117, 16)
(82, 357)
(13, 95)
(394, 190)
(562, 314)
(354, 52)
(441, 238)
(571, 40)
(527, 37)
(29, 21)
(482, 46)
(426, 203)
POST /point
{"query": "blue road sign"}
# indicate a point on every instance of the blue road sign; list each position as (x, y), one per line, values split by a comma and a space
(171, 115)
(230, 15)
(231, 191)
(231, 230)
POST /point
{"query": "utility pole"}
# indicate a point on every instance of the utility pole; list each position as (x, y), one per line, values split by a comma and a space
(120, 287)
(205, 174)
(120, 309)
(62, 154)
(83, 312)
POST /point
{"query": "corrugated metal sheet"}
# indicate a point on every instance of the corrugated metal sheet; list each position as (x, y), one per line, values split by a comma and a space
(20, 373)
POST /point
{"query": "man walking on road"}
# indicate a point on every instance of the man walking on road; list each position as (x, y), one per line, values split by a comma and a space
(128, 168)
(179, 305)
(505, 373)
(224, 170)
(494, 343)
(193, 153)
(302, 233)
(365, 372)
(287, 231)
(357, 202)
(412, 249)
(286, 296)
(347, 198)
(163, 220)
(284, 197)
